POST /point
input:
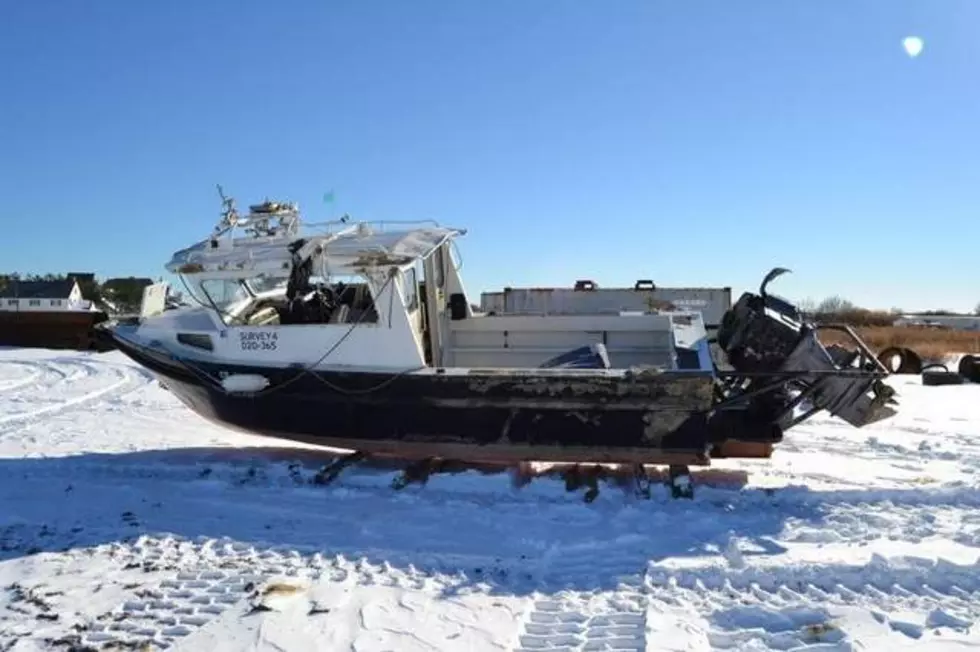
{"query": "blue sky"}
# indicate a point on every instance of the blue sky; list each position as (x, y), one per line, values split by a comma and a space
(694, 143)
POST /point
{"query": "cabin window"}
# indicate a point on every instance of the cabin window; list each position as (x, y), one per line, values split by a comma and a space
(55, 302)
(264, 301)
(262, 284)
(225, 294)
(34, 302)
(410, 289)
(333, 299)
(196, 340)
(13, 302)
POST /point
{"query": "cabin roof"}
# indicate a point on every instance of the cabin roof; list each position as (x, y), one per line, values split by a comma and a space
(391, 247)
(58, 289)
(351, 250)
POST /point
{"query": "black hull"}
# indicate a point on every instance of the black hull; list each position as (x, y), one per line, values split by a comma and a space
(769, 373)
(485, 416)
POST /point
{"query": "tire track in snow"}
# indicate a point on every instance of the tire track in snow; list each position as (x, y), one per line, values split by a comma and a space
(564, 624)
(756, 608)
(578, 621)
(160, 616)
(195, 581)
(15, 383)
(764, 607)
(198, 581)
(793, 606)
(73, 382)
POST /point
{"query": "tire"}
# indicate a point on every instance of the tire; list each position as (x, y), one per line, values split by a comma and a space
(939, 378)
(908, 361)
(969, 368)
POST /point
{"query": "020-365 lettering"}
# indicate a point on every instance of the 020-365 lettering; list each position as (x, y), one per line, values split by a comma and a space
(258, 340)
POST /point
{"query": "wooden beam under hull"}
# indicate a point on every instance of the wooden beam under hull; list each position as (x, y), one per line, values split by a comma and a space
(734, 449)
(513, 455)
(507, 454)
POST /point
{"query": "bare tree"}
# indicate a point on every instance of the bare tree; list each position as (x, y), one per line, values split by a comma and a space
(806, 306)
(833, 305)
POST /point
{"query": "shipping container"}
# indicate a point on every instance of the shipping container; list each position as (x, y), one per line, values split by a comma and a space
(587, 298)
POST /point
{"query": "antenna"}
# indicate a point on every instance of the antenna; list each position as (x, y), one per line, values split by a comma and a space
(229, 216)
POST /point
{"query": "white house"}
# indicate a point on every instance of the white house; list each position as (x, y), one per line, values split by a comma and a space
(64, 294)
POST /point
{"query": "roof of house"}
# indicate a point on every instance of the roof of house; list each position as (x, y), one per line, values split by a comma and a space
(60, 289)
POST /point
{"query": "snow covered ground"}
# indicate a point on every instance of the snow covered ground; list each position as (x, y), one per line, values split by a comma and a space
(126, 522)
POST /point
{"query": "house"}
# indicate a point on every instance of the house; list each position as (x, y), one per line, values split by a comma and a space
(63, 294)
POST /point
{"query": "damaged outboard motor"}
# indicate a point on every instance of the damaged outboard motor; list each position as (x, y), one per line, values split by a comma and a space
(777, 357)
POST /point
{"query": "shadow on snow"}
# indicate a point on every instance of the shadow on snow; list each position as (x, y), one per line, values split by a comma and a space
(476, 528)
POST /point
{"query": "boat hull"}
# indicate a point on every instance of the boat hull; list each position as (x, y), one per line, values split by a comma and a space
(478, 415)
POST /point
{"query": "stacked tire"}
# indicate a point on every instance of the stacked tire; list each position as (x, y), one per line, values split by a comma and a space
(969, 368)
(901, 360)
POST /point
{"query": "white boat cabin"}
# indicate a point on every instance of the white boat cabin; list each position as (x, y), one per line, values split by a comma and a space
(384, 297)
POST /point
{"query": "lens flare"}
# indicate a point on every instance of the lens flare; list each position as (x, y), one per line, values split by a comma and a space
(913, 46)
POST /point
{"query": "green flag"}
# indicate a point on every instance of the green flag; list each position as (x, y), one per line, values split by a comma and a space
(328, 197)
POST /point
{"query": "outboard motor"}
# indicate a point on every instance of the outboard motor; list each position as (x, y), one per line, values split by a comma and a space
(766, 339)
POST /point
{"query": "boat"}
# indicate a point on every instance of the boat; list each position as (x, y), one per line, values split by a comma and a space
(360, 336)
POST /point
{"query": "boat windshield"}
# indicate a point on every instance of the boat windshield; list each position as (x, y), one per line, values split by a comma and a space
(226, 294)
(266, 283)
(262, 284)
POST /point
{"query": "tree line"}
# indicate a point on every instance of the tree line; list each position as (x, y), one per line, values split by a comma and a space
(841, 310)
(123, 293)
